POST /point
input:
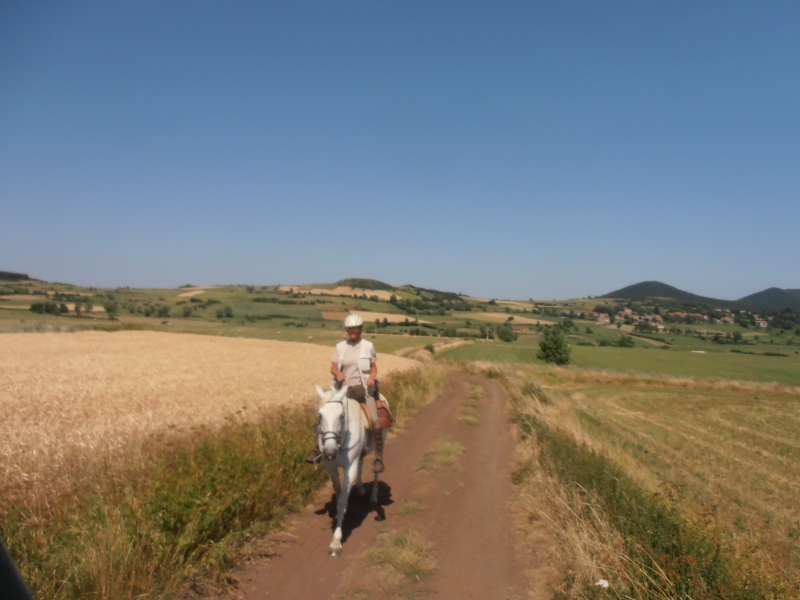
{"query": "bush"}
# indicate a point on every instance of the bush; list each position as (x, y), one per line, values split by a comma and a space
(625, 341)
(554, 348)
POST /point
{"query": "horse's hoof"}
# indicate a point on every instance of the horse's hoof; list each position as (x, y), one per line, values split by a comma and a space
(335, 553)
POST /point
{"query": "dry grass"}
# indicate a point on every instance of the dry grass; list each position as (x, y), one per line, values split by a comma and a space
(443, 454)
(723, 454)
(194, 292)
(503, 317)
(63, 396)
(371, 317)
(407, 552)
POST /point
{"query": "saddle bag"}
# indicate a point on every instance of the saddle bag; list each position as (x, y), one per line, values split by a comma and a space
(384, 414)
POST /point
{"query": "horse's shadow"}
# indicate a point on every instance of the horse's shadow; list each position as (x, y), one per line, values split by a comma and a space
(359, 508)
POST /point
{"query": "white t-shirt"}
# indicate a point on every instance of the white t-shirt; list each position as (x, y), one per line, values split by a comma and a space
(354, 360)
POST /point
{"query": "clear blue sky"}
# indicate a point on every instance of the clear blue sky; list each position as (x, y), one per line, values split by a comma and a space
(544, 150)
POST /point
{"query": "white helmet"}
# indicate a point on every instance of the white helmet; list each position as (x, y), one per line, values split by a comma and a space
(353, 321)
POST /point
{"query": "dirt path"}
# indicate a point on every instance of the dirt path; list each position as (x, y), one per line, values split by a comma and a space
(461, 512)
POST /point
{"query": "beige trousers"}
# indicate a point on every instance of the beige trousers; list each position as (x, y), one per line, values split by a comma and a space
(357, 392)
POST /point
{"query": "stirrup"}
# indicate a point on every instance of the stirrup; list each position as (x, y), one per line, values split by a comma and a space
(314, 457)
(377, 465)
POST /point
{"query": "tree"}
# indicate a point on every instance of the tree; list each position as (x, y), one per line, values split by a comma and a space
(554, 348)
(505, 333)
(45, 307)
(625, 341)
(112, 309)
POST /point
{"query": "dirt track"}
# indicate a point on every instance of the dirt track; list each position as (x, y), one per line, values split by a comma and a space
(461, 510)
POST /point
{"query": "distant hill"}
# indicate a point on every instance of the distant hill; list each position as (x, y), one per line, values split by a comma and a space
(656, 289)
(772, 299)
(366, 284)
(769, 299)
(9, 276)
(431, 292)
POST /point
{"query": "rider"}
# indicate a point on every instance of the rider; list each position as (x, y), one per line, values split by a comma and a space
(354, 363)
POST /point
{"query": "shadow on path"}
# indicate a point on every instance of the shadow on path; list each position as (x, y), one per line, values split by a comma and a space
(359, 508)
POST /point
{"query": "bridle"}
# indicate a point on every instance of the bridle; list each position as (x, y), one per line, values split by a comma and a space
(334, 434)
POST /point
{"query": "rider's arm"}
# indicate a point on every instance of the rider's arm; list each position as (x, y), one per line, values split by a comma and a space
(373, 373)
(336, 372)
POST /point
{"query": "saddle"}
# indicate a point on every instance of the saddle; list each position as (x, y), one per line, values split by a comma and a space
(384, 414)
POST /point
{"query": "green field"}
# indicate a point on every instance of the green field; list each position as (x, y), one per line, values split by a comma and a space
(685, 363)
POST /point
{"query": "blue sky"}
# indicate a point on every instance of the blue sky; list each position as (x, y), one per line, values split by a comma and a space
(544, 150)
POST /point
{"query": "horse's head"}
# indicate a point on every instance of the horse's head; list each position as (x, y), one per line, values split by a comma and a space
(331, 419)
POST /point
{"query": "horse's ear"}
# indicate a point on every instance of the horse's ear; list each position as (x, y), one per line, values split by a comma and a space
(342, 392)
(320, 393)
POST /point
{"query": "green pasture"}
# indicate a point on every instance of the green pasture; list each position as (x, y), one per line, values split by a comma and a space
(685, 363)
(718, 364)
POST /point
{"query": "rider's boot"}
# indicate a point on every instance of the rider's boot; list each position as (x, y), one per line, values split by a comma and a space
(315, 456)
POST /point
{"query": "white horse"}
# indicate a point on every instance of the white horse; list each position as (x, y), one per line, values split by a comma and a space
(345, 440)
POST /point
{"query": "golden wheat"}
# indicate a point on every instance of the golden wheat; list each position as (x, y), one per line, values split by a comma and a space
(63, 396)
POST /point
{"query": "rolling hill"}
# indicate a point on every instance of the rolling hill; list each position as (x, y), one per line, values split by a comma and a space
(773, 299)
(769, 299)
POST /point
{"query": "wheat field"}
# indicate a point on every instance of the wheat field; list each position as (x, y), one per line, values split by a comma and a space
(64, 396)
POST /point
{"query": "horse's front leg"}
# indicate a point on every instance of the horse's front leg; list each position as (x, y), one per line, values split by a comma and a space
(333, 471)
(349, 475)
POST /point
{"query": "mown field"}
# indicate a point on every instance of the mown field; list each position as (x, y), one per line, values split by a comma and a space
(666, 487)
